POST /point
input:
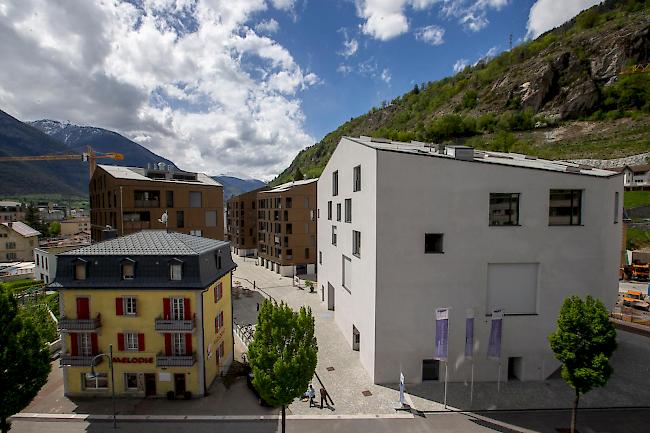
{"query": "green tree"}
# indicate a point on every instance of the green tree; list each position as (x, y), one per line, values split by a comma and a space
(584, 341)
(24, 360)
(283, 353)
(297, 174)
(32, 218)
(53, 229)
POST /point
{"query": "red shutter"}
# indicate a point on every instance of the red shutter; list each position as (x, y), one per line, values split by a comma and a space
(83, 308)
(188, 344)
(120, 342)
(119, 307)
(93, 343)
(186, 302)
(216, 296)
(141, 342)
(166, 309)
(168, 344)
(74, 344)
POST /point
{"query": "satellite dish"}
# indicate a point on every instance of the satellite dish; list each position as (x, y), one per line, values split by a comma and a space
(163, 218)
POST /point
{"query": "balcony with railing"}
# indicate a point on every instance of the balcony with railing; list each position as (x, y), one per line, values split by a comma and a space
(164, 361)
(171, 325)
(66, 324)
(79, 360)
(137, 225)
(147, 203)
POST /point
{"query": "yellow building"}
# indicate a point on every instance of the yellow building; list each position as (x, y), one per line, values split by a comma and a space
(161, 299)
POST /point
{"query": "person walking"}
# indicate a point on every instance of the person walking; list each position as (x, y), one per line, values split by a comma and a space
(311, 392)
(323, 397)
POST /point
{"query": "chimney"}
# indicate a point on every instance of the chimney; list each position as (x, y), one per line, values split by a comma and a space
(109, 233)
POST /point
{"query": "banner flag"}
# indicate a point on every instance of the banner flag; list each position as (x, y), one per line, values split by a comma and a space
(469, 334)
(401, 388)
(494, 347)
(442, 334)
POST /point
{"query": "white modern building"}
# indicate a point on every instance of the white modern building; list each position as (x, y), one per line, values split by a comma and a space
(422, 227)
(45, 261)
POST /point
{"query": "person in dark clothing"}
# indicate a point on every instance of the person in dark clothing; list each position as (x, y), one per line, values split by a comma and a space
(324, 396)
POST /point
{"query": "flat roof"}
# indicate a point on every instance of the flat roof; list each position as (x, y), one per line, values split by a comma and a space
(287, 186)
(149, 243)
(138, 173)
(482, 156)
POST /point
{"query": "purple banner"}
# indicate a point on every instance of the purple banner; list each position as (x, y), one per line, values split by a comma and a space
(494, 347)
(442, 334)
(469, 338)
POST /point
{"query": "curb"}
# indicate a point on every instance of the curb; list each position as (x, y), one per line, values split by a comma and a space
(204, 418)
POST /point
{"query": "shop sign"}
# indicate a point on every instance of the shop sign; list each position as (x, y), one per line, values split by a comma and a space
(133, 360)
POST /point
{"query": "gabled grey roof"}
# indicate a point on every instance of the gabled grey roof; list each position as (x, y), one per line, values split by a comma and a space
(22, 229)
(150, 243)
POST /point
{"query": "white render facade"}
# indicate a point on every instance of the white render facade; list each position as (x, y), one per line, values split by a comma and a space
(387, 294)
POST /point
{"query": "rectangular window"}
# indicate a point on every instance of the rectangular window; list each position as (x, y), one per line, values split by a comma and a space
(130, 306)
(289, 229)
(218, 322)
(131, 341)
(94, 381)
(196, 232)
(178, 308)
(356, 178)
(346, 273)
(329, 210)
(565, 207)
(433, 243)
(288, 202)
(211, 218)
(128, 272)
(504, 209)
(306, 253)
(85, 344)
(131, 381)
(218, 292)
(348, 210)
(175, 272)
(335, 183)
(333, 235)
(178, 344)
(80, 271)
(338, 211)
(180, 219)
(170, 198)
(616, 204)
(320, 257)
(196, 199)
(356, 243)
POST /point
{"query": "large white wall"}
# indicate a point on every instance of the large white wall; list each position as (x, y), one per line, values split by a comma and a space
(421, 194)
(355, 308)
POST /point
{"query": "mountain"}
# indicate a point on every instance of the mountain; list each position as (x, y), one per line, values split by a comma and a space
(102, 140)
(235, 186)
(570, 93)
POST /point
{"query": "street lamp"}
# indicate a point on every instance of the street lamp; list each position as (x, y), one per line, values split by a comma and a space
(110, 365)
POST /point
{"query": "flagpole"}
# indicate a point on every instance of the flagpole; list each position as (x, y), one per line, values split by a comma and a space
(445, 384)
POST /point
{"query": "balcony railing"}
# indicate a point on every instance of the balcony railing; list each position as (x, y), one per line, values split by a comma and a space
(137, 225)
(175, 360)
(147, 203)
(79, 360)
(170, 325)
(66, 324)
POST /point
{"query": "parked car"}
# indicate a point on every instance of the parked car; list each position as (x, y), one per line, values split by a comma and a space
(260, 400)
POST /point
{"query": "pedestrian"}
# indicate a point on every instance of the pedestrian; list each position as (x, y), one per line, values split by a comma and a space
(312, 395)
(323, 397)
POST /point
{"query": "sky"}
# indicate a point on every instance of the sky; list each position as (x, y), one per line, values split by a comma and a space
(239, 87)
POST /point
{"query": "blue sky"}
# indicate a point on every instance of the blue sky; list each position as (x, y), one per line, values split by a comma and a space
(239, 87)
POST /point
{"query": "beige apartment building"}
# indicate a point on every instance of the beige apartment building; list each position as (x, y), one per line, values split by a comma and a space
(11, 211)
(241, 222)
(287, 228)
(17, 242)
(131, 199)
(74, 226)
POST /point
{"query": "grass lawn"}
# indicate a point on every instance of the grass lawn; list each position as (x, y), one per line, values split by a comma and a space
(634, 199)
(637, 238)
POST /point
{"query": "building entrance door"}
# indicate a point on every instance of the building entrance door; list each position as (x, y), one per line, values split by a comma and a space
(330, 297)
(179, 384)
(356, 338)
(149, 384)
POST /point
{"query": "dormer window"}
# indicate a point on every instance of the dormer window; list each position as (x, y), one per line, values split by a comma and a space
(128, 269)
(80, 269)
(176, 270)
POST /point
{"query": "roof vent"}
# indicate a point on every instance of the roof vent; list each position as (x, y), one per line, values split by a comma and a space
(464, 153)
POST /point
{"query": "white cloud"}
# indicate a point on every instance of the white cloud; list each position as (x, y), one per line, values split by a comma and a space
(344, 69)
(385, 76)
(285, 5)
(472, 14)
(460, 65)
(350, 45)
(430, 34)
(268, 26)
(545, 15)
(385, 19)
(190, 79)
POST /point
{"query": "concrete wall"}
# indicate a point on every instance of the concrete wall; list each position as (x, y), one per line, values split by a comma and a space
(419, 195)
(356, 306)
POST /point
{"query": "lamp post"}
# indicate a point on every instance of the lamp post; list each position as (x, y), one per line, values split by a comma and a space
(110, 365)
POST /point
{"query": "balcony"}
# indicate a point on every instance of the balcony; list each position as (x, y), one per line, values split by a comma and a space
(79, 360)
(175, 360)
(137, 225)
(169, 325)
(147, 203)
(67, 325)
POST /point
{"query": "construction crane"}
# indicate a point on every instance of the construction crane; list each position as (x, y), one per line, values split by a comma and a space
(89, 156)
(636, 69)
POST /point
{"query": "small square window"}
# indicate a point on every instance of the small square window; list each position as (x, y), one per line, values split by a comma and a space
(433, 243)
(175, 272)
(130, 306)
(128, 272)
(131, 341)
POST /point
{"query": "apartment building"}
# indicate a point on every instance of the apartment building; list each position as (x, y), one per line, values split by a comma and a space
(635, 177)
(17, 241)
(407, 228)
(241, 223)
(11, 211)
(45, 260)
(286, 224)
(161, 299)
(130, 199)
(73, 226)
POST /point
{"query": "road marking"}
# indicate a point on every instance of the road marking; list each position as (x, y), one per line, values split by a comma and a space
(89, 417)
